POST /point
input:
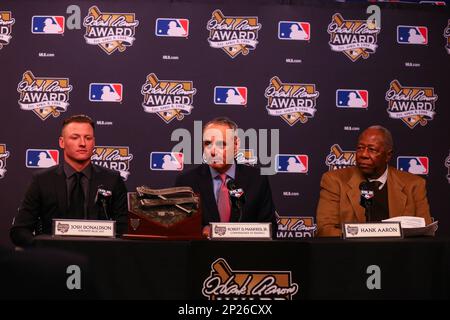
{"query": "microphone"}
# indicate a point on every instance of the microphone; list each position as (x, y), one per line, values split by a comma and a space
(366, 200)
(237, 196)
(103, 197)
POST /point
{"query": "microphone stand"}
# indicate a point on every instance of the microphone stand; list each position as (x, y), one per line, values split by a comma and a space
(366, 200)
(105, 211)
(368, 210)
(236, 206)
(236, 202)
(239, 206)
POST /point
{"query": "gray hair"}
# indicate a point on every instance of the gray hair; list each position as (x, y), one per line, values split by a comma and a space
(224, 121)
(387, 136)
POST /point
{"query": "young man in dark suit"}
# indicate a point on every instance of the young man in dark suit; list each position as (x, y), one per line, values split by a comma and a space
(210, 180)
(69, 190)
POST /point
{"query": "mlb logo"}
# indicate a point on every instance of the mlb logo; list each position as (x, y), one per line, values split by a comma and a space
(41, 158)
(291, 163)
(412, 164)
(294, 30)
(230, 95)
(171, 27)
(412, 35)
(47, 24)
(166, 161)
(105, 92)
(352, 99)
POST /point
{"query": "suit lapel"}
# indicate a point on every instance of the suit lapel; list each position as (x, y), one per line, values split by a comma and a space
(242, 181)
(93, 186)
(240, 178)
(61, 191)
(353, 194)
(207, 190)
(396, 196)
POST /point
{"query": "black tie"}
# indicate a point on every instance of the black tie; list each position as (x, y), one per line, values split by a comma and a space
(376, 185)
(77, 198)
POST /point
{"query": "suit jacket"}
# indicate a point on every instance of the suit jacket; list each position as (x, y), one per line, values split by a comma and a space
(46, 198)
(340, 195)
(258, 205)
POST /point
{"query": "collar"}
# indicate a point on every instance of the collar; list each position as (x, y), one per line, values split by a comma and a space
(382, 178)
(69, 171)
(231, 172)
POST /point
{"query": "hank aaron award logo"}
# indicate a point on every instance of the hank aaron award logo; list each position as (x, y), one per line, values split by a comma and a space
(294, 227)
(6, 23)
(169, 99)
(355, 38)
(110, 31)
(292, 102)
(339, 159)
(446, 35)
(115, 158)
(62, 227)
(412, 105)
(224, 283)
(352, 230)
(234, 35)
(246, 156)
(3, 155)
(44, 96)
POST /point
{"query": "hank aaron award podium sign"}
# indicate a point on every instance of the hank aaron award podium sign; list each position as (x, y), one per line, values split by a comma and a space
(172, 213)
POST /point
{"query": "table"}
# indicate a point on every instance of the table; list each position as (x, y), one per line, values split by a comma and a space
(327, 268)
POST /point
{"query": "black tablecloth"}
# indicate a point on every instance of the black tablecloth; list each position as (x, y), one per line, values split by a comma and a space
(415, 268)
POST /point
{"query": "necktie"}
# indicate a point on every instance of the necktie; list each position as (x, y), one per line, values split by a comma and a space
(223, 201)
(76, 209)
(376, 185)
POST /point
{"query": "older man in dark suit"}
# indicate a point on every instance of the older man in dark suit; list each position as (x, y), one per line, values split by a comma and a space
(69, 190)
(210, 180)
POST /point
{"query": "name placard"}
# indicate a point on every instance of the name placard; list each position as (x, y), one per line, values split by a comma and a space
(241, 231)
(372, 230)
(84, 228)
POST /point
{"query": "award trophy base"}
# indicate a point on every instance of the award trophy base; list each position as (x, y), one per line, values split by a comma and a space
(169, 214)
